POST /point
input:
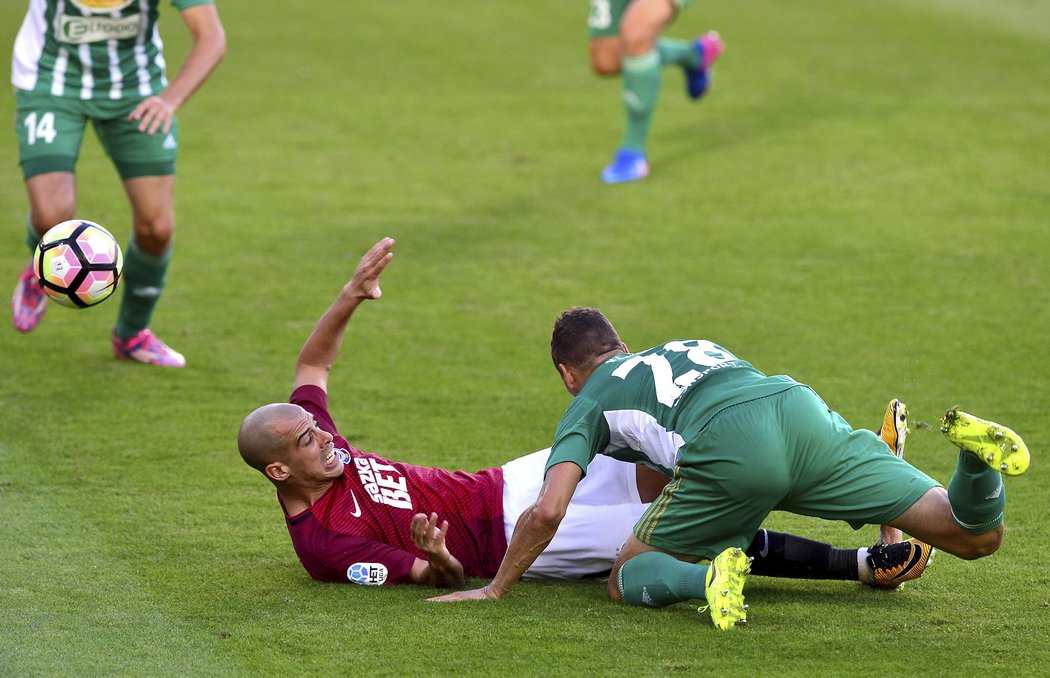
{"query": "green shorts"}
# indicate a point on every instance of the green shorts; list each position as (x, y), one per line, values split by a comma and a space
(50, 130)
(603, 21)
(786, 452)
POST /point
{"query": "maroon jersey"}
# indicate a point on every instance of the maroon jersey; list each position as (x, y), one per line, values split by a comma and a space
(359, 531)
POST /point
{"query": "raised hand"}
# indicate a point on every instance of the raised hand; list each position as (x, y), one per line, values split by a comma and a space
(365, 282)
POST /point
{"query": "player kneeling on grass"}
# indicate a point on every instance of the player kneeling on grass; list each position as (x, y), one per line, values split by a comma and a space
(361, 518)
(741, 444)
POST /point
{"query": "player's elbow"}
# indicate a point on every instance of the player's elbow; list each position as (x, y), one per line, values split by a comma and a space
(548, 516)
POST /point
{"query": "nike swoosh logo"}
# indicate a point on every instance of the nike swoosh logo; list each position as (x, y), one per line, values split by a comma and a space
(998, 491)
(357, 507)
(916, 556)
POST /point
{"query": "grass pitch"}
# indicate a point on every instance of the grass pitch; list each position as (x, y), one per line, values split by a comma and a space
(860, 202)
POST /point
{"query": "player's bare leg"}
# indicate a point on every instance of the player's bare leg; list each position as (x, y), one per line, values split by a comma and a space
(145, 267)
(52, 200)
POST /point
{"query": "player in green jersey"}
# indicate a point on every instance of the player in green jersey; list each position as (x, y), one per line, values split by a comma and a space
(101, 61)
(738, 445)
(625, 37)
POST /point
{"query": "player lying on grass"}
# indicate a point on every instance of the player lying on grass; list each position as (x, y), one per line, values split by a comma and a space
(741, 445)
(361, 518)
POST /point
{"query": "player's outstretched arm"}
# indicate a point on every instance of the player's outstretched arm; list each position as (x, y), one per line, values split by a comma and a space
(322, 347)
(441, 569)
(536, 527)
(209, 46)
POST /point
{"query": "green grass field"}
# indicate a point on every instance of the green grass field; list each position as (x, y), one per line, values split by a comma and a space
(863, 202)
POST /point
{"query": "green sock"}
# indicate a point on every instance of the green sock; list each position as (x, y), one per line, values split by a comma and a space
(977, 495)
(143, 281)
(655, 579)
(679, 52)
(641, 89)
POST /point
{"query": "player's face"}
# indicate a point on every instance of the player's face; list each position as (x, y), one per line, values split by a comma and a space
(311, 453)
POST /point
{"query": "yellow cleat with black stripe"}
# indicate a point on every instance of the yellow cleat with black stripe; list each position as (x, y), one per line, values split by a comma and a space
(994, 444)
(725, 588)
(894, 564)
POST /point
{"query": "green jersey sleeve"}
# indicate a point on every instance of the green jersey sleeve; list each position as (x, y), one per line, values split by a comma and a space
(581, 434)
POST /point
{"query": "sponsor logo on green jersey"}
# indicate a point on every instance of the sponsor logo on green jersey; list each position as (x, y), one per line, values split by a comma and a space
(82, 29)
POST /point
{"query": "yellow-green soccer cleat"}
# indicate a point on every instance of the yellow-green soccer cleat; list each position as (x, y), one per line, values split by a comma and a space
(895, 427)
(894, 564)
(994, 444)
(725, 588)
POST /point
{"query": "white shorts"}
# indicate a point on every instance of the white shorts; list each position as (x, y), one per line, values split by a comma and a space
(603, 510)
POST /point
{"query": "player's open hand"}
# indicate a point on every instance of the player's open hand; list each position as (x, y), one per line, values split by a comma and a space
(428, 535)
(365, 283)
(457, 596)
(153, 113)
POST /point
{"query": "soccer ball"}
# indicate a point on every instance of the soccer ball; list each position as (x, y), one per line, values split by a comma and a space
(78, 263)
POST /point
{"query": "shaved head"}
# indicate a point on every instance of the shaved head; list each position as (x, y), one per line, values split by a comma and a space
(259, 440)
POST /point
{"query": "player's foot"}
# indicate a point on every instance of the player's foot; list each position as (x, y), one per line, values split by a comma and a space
(28, 302)
(697, 79)
(895, 427)
(894, 564)
(725, 588)
(994, 444)
(627, 165)
(145, 347)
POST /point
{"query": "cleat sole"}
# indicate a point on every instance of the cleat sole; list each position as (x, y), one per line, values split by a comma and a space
(997, 446)
(725, 588)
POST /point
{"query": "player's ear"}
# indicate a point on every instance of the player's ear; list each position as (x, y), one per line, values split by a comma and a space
(568, 377)
(277, 471)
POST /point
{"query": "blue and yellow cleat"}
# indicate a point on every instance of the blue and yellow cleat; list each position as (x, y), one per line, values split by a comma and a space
(627, 165)
(724, 588)
(994, 444)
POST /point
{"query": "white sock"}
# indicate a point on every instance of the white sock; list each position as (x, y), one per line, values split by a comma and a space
(865, 575)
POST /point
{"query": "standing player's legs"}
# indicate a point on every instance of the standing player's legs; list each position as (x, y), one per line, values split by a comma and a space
(640, 28)
(644, 54)
(52, 200)
(146, 163)
(50, 131)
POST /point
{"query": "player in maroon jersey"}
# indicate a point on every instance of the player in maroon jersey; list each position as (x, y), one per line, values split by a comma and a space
(358, 517)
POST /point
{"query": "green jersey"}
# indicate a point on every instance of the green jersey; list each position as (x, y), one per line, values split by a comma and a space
(643, 407)
(92, 49)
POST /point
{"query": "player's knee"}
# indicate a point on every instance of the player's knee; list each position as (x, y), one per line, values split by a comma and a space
(153, 235)
(605, 65)
(613, 588)
(981, 545)
(46, 216)
(637, 39)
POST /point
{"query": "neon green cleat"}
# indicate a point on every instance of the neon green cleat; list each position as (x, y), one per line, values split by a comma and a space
(994, 444)
(725, 588)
